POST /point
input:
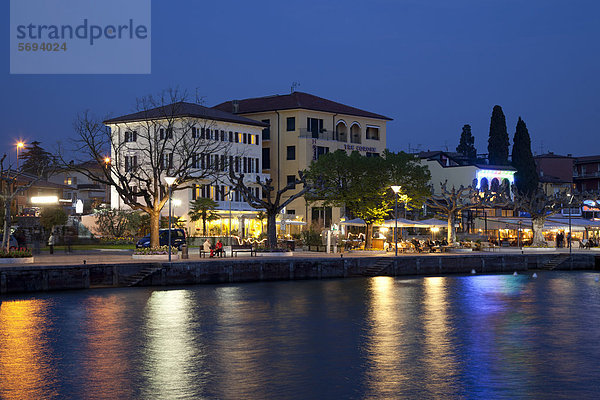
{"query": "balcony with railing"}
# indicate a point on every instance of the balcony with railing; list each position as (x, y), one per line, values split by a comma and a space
(586, 175)
(323, 134)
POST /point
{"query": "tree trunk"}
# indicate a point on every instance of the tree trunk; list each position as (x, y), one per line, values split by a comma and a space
(7, 223)
(451, 229)
(369, 236)
(154, 229)
(204, 225)
(537, 226)
(272, 230)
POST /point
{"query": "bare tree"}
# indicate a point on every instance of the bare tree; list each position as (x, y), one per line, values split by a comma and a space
(453, 201)
(272, 202)
(165, 137)
(9, 190)
(540, 206)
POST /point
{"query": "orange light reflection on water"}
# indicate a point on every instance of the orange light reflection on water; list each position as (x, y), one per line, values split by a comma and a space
(439, 354)
(25, 361)
(387, 360)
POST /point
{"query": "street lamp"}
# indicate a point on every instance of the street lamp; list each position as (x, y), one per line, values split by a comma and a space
(170, 181)
(396, 189)
(570, 237)
(230, 198)
(19, 145)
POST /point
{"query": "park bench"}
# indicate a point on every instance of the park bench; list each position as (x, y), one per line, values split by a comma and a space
(237, 248)
(204, 253)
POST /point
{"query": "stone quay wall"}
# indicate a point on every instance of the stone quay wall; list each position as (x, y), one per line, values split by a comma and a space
(32, 278)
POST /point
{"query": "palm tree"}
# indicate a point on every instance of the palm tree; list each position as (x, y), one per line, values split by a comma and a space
(203, 209)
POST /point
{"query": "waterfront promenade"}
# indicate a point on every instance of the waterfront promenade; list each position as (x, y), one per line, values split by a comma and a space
(89, 269)
(124, 256)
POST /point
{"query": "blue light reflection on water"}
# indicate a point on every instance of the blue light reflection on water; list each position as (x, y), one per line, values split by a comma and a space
(488, 336)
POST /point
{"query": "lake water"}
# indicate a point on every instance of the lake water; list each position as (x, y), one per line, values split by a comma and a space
(488, 336)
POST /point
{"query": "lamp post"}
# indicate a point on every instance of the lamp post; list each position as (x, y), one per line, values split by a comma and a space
(570, 237)
(230, 198)
(19, 145)
(170, 181)
(396, 189)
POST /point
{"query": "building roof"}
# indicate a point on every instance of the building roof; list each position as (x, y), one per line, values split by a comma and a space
(586, 159)
(458, 160)
(496, 167)
(552, 179)
(293, 101)
(183, 109)
(552, 155)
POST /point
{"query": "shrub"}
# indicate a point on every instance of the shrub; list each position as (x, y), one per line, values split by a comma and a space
(21, 253)
(153, 251)
(311, 237)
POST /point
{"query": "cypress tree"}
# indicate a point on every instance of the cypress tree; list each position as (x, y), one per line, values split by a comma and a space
(36, 160)
(466, 146)
(526, 177)
(498, 141)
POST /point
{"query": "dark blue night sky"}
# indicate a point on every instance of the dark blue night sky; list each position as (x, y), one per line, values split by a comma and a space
(432, 66)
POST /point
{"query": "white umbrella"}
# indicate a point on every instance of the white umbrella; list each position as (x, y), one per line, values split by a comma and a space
(354, 222)
(404, 223)
(431, 222)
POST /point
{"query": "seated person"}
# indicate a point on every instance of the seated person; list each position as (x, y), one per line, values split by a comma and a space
(417, 245)
(206, 246)
(429, 245)
(219, 249)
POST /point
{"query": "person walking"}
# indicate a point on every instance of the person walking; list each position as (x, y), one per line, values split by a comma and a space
(51, 241)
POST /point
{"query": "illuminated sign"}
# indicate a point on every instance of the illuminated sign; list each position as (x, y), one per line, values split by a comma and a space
(491, 174)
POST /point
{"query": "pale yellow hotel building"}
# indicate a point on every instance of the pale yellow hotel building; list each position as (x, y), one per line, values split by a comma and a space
(302, 127)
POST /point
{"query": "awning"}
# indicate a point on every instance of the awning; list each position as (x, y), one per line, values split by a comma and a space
(434, 222)
(404, 223)
(551, 223)
(292, 222)
(354, 222)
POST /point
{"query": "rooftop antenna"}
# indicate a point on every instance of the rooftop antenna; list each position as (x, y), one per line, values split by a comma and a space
(294, 86)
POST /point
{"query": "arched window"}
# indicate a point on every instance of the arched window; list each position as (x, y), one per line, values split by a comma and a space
(495, 185)
(341, 131)
(355, 135)
(484, 185)
(506, 185)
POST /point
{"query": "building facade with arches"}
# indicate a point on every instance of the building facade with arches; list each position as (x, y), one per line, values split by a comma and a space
(447, 167)
(303, 127)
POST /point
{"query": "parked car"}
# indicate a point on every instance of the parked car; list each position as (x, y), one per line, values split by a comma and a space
(13, 243)
(177, 238)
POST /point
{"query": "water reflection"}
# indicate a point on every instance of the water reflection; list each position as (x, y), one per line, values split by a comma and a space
(439, 348)
(450, 337)
(107, 365)
(172, 355)
(386, 339)
(243, 328)
(26, 363)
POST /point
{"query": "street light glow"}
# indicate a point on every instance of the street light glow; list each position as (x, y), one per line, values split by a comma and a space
(170, 180)
(396, 189)
(44, 200)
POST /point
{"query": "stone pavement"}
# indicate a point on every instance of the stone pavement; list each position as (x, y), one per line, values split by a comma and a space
(124, 256)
